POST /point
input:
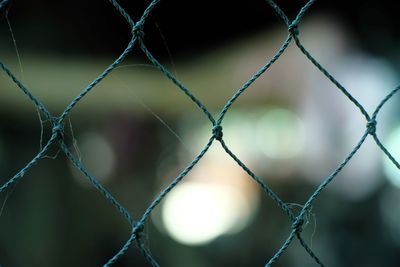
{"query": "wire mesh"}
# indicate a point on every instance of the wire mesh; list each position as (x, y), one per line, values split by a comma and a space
(216, 133)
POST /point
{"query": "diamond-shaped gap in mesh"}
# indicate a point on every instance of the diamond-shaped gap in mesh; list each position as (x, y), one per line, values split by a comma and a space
(291, 86)
(216, 169)
(206, 83)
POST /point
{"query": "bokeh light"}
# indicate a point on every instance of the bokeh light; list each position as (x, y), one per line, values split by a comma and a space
(393, 145)
(196, 213)
(280, 133)
(270, 133)
(97, 155)
(334, 125)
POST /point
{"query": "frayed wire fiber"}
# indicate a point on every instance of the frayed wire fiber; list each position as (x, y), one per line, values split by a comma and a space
(299, 219)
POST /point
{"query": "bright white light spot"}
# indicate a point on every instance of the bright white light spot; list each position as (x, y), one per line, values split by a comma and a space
(393, 145)
(280, 134)
(197, 213)
(375, 78)
(97, 155)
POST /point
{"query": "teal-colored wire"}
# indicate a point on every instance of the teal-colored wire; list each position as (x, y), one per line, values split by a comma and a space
(137, 30)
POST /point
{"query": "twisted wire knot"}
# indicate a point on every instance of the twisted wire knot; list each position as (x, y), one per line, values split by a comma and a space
(58, 129)
(298, 225)
(137, 30)
(217, 132)
(139, 228)
(293, 28)
(371, 126)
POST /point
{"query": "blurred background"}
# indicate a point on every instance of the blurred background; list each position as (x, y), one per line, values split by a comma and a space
(136, 131)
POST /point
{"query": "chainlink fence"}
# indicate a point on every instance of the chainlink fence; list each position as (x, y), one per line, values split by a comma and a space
(216, 133)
